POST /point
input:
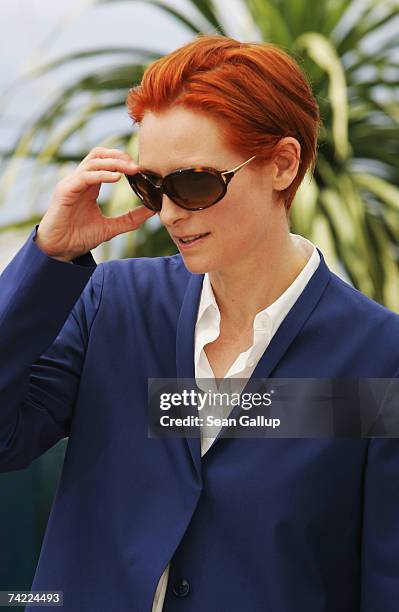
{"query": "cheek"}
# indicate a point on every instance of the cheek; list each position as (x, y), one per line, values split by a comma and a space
(240, 220)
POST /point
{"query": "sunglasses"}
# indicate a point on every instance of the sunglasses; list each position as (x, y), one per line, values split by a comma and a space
(190, 188)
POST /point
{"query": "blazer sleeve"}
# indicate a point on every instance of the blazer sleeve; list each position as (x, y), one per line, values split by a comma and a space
(47, 307)
(380, 533)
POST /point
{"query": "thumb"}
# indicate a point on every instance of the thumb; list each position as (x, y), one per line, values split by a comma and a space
(127, 222)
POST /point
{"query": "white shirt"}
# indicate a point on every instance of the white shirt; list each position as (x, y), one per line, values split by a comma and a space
(207, 329)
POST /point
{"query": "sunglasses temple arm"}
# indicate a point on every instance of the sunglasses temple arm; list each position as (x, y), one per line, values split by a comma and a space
(238, 168)
(159, 187)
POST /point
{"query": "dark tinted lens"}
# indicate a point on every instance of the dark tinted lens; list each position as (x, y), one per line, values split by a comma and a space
(194, 189)
(146, 191)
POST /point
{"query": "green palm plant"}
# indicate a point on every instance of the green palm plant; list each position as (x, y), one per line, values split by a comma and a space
(350, 207)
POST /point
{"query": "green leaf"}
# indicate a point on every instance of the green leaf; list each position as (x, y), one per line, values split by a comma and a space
(323, 54)
(385, 191)
(28, 223)
(304, 206)
(390, 292)
(204, 7)
(365, 25)
(34, 73)
(270, 22)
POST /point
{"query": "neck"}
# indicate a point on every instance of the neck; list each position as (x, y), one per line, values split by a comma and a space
(258, 280)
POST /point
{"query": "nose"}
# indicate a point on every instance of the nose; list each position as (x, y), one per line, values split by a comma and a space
(170, 212)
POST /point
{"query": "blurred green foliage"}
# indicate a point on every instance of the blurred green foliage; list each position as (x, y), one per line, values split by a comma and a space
(350, 207)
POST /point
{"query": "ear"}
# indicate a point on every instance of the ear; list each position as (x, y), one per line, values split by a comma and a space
(286, 163)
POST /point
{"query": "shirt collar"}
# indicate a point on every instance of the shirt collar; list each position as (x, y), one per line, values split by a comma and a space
(275, 312)
(208, 299)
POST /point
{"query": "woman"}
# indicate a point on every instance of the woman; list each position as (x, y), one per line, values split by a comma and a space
(212, 523)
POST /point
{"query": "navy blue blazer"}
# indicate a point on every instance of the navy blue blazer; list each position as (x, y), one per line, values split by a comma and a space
(283, 525)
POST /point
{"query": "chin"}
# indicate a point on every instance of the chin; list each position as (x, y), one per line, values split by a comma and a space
(197, 265)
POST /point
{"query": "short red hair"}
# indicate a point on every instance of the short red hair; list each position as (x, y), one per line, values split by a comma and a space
(256, 91)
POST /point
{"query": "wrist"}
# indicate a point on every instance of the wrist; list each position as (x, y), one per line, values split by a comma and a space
(59, 257)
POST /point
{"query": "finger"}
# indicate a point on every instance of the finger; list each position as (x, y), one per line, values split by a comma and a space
(127, 222)
(102, 152)
(79, 182)
(112, 164)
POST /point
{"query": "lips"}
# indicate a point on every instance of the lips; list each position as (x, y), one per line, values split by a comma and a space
(188, 236)
(187, 243)
(192, 237)
(185, 239)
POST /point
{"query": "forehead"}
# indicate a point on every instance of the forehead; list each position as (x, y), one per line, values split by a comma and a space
(179, 138)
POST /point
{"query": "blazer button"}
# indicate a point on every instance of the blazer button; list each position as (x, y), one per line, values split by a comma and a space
(181, 587)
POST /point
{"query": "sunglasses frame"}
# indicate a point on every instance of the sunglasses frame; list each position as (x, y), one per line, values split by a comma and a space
(224, 177)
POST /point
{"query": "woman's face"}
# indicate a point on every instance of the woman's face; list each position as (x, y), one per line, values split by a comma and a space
(240, 223)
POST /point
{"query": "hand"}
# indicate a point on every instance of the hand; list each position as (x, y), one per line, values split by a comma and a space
(74, 223)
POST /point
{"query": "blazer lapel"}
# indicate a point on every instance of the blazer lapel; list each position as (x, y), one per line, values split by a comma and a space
(286, 333)
(185, 367)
